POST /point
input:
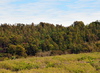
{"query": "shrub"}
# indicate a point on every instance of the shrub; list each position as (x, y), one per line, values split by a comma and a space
(57, 52)
(42, 54)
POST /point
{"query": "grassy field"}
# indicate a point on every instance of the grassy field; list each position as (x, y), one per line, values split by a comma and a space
(70, 63)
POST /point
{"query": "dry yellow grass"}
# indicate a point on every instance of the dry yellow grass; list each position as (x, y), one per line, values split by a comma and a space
(70, 63)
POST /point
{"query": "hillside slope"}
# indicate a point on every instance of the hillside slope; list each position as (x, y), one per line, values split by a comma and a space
(70, 63)
(28, 40)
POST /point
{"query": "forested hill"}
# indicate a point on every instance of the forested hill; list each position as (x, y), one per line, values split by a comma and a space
(22, 39)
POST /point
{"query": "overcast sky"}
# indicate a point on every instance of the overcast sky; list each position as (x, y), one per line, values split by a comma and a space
(63, 12)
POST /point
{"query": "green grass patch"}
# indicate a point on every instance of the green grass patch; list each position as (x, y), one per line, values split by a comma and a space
(70, 63)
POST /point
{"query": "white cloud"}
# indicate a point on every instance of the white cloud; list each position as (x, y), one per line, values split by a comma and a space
(55, 0)
(85, 0)
(7, 1)
(44, 11)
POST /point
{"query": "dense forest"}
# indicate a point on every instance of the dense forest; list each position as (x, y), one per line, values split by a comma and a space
(46, 39)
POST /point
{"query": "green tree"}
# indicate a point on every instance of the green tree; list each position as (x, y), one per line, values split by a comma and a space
(12, 49)
(20, 50)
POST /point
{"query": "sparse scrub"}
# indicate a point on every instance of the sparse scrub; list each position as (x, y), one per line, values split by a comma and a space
(70, 63)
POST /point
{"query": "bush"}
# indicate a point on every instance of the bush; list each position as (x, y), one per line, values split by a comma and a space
(57, 52)
(42, 54)
(20, 50)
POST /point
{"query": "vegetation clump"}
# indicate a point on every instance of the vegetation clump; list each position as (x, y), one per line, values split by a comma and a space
(45, 39)
(70, 63)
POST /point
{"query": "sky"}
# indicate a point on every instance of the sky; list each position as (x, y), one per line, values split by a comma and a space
(63, 12)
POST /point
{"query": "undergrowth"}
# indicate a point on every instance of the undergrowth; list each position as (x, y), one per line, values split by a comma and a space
(70, 63)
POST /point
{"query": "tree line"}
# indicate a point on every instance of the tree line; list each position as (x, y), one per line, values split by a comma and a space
(48, 39)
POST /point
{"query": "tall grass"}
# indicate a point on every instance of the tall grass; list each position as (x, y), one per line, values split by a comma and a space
(70, 63)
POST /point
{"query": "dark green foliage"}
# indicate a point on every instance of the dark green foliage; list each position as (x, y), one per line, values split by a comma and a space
(20, 50)
(31, 39)
(12, 49)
